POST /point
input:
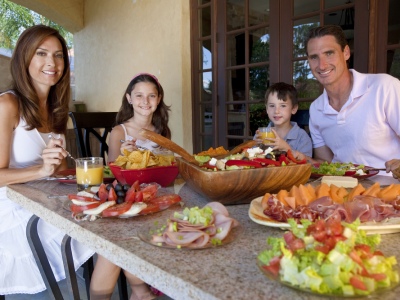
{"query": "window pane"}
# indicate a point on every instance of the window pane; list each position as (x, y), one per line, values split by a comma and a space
(258, 117)
(333, 3)
(236, 123)
(304, 81)
(235, 49)
(206, 62)
(258, 12)
(234, 14)
(207, 87)
(300, 8)
(259, 45)
(300, 32)
(259, 81)
(394, 22)
(206, 126)
(393, 59)
(205, 21)
(236, 80)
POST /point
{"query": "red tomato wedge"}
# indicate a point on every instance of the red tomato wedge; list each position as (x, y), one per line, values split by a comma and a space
(103, 193)
(166, 200)
(116, 210)
(82, 198)
(80, 208)
(149, 192)
(151, 208)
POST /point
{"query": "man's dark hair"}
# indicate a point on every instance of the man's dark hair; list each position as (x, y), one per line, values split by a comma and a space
(334, 30)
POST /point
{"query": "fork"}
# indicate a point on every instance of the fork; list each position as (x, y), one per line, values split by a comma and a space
(57, 136)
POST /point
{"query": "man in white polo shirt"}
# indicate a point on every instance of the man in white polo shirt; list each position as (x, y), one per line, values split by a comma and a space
(356, 119)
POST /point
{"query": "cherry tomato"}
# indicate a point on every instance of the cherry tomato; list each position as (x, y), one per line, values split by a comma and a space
(103, 193)
(273, 266)
(116, 210)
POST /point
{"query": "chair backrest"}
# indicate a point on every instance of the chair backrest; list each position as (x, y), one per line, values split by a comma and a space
(87, 124)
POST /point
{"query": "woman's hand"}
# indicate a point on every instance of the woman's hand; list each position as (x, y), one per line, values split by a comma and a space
(393, 166)
(53, 155)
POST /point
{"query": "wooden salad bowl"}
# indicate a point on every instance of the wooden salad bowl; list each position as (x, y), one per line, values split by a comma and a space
(242, 186)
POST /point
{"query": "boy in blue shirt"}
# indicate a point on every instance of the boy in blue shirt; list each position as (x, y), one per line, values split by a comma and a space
(281, 103)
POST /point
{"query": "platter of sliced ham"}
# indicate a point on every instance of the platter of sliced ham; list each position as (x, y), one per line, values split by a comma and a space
(193, 228)
(366, 211)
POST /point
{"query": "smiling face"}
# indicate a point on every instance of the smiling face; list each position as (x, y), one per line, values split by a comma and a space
(279, 111)
(47, 64)
(327, 60)
(144, 98)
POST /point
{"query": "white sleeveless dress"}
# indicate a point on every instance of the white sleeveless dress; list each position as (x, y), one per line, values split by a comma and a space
(18, 270)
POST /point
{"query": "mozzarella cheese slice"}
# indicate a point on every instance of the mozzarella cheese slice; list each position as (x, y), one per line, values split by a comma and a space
(340, 181)
(97, 210)
(136, 208)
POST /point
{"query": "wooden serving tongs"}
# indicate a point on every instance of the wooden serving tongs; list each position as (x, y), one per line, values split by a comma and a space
(238, 148)
(168, 144)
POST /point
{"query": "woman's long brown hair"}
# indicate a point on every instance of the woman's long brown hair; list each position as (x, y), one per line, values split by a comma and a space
(28, 100)
(160, 116)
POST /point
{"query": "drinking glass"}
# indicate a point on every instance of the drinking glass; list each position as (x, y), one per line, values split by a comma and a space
(264, 133)
(89, 173)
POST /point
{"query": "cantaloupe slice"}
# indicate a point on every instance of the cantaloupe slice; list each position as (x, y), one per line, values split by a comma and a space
(322, 190)
(264, 201)
(389, 193)
(295, 193)
(358, 190)
(282, 194)
(334, 194)
(311, 190)
(373, 190)
(291, 201)
(305, 195)
(342, 193)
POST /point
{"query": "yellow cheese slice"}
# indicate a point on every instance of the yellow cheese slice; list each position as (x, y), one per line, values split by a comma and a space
(340, 181)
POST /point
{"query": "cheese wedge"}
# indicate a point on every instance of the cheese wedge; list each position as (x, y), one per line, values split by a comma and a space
(340, 181)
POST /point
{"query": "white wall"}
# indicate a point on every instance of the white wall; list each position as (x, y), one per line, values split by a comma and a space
(121, 38)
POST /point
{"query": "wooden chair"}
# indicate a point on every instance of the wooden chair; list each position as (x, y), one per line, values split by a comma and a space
(88, 125)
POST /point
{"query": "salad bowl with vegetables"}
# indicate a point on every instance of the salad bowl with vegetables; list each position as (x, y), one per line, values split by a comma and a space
(329, 258)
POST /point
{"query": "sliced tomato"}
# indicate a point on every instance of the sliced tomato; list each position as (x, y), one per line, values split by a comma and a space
(149, 192)
(334, 227)
(116, 210)
(83, 198)
(80, 208)
(151, 208)
(136, 185)
(139, 196)
(130, 195)
(355, 257)
(378, 276)
(166, 200)
(112, 196)
(115, 182)
(323, 248)
(274, 266)
(358, 283)
(319, 236)
(103, 193)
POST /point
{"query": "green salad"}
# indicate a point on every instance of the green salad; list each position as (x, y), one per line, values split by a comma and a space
(330, 258)
(336, 169)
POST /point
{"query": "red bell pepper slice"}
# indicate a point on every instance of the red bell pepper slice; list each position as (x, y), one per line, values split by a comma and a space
(290, 155)
(283, 160)
(267, 161)
(243, 163)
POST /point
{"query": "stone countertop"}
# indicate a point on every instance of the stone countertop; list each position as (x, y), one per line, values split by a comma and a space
(228, 272)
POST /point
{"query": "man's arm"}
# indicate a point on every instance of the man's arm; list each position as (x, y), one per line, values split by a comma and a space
(322, 154)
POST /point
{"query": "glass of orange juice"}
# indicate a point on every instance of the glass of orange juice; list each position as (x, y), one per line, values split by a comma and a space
(264, 133)
(89, 172)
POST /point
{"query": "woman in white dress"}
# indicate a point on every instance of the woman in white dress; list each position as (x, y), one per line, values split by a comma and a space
(35, 106)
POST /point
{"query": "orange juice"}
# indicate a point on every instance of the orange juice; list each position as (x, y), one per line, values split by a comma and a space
(89, 173)
(265, 135)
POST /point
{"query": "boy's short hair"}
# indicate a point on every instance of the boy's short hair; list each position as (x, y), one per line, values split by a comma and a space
(283, 91)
